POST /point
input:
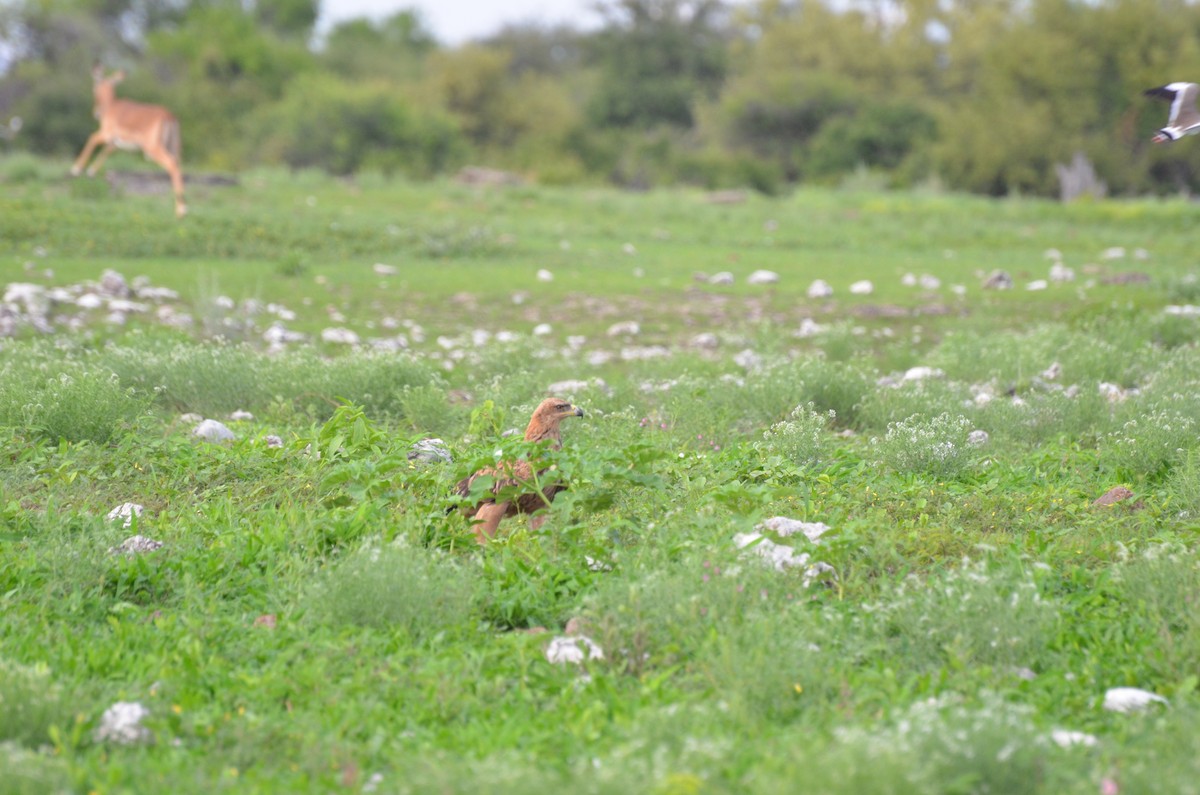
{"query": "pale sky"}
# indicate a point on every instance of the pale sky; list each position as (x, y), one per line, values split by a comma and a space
(455, 21)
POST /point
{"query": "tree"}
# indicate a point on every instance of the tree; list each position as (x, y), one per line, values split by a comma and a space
(395, 48)
(657, 58)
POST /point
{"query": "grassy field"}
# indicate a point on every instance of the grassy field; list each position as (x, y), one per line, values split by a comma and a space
(315, 620)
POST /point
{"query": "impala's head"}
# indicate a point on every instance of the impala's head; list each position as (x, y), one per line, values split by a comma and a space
(103, 87)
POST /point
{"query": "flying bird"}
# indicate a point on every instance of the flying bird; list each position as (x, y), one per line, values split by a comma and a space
(1184, 120)
(543, 427)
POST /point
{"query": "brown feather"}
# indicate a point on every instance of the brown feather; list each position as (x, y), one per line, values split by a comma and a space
(543, 427)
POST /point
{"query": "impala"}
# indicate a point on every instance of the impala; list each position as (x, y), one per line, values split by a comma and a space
(132, 125)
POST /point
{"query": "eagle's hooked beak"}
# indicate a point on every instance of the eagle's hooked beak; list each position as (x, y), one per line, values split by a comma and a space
(578, 411)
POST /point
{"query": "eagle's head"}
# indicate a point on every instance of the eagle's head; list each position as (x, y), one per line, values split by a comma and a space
(552, 411)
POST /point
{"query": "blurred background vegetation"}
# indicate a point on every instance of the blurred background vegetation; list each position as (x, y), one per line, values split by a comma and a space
(986, 96)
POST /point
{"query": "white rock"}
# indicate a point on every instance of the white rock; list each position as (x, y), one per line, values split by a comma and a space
(922, 372)
(1037, 284)
(480, 337)
(113, 283)
(706, 340)
(241, 416)
(544, 275)
(785, 527)
(629, 249)
(125, 512)
(277, 334)
(1052, 372)
(340, 336)
(1053, 253)
(127, 306)
(908, 280)
(724, 277)
(747, 359)
(1116, 252)
(863, 287)
(224, 302)
(958, 289)
(819, 289)
(135, 545)
(1061, 273)
(33, 296)
(1130, 699)
(998, 280)
(430, 451)
(542, 329)
(1185, 310)
(1065, 738)
(566, 387)
(89, 301)
(384, 270)
(629, 328)
(808, 328)
(929, 282)
(213, 431)
(763, 277)
(273, 441)
(122, 724)
(573, 649)
(1141, 253)
(977, 437)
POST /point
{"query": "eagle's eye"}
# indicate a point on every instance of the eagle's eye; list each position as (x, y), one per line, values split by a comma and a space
(562, 407)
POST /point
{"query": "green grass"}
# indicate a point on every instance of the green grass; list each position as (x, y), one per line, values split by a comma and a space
(317, 620)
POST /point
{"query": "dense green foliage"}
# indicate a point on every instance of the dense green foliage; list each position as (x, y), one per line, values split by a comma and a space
(985, 97)
(317, 620)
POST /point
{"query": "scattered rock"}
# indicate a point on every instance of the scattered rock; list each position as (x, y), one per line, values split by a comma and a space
(705, 340)
(273, 441)
(978, 438)
(722, 278)
(763, 277)
(135, 545)
(126, 511)
(1116, 252)
(213, 431)
(1113, 496)
(820, 289)
(780, 557)
(1064, 738)
(864, 287)
(113, 284)
(241, 416)
(429, 451)
(1037, 284)
(998, 280)
(544, 275)
(575, 649)
(122, 724)
(340, 336)
(384, 270)
(1130, 699)
(1061, 273)
(929, 282)
(628, 328)
(785, 527)
(1052, 372)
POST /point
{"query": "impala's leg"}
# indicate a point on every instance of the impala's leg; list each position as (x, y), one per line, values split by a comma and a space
(169, 165)
(94, 168)
(92, 142)
(488, 518)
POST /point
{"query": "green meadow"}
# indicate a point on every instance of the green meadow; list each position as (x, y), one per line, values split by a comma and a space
(317, 619)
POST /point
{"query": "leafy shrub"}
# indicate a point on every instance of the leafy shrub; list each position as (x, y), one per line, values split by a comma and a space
(936, 446)
(30, 703)
(27, 772)
(84, 405)
(803, 438)
(392, 587)
(973, 615)
(1146, 444)
(342, 127)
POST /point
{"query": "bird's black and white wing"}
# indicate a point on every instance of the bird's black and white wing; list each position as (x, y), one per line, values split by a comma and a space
(1182, 97)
